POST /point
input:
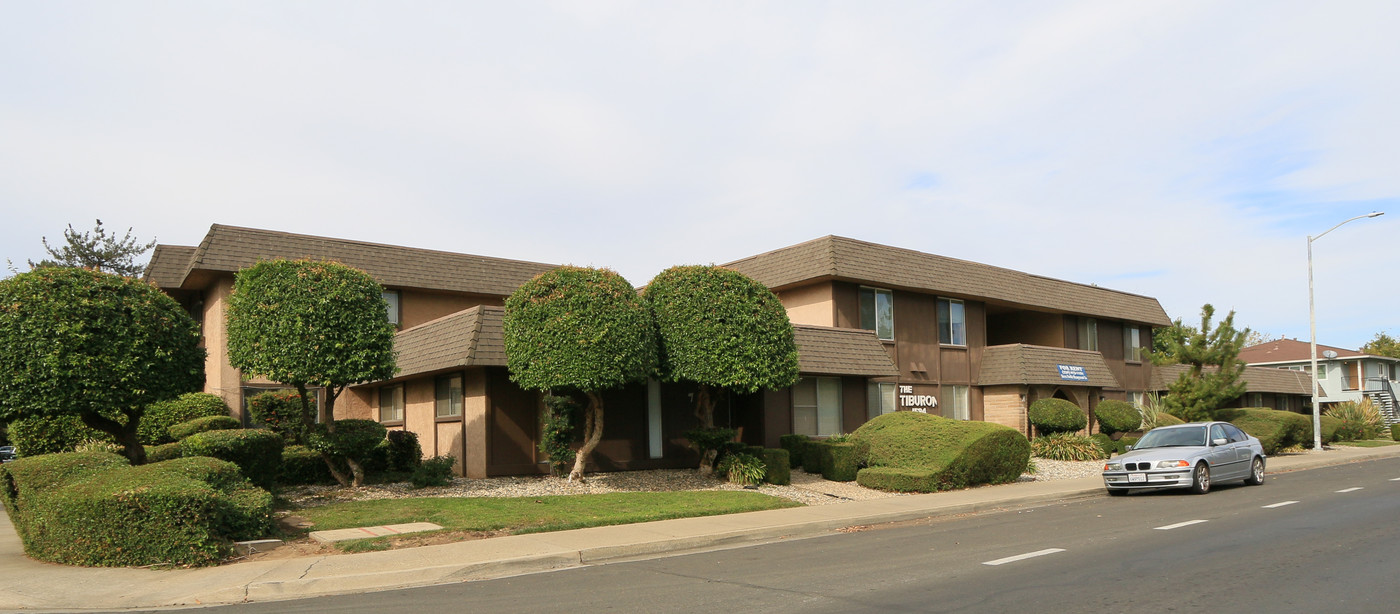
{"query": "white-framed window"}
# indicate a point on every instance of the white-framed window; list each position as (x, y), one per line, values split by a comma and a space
(391, 403)
(449, 396)
(393, 311)
(816, 406)
(1088, 334)
(1136, 398)
(957, 402)
(882, 399)
(877, 312)
(952, 322)
(1132, 343)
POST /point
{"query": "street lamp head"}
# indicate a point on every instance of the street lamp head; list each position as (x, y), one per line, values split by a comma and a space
(1375, 214)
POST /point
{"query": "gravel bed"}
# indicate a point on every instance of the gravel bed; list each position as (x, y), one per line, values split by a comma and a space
(806, 488)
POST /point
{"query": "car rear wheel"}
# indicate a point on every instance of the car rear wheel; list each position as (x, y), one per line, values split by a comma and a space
(1256, 472)
(1200, 479)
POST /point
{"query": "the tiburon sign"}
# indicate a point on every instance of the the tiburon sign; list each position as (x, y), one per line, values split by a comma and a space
(916, 402)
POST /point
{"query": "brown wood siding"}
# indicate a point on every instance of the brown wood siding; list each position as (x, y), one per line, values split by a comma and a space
(777, 416)
(916, 336)
(854, 398)
(1029, 327)
(845, 298)
(512, 427)
(417, 306)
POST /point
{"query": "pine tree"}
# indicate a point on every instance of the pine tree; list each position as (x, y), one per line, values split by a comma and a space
(96, 250)
(1213, 376)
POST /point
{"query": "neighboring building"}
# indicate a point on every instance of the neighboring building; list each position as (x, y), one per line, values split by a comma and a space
(878, 329)
(1342, 374)
(1264, 387)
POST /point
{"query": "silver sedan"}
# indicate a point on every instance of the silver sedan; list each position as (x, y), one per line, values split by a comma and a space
(1187, 456)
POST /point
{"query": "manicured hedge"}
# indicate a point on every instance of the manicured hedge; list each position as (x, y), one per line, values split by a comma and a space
(779, 471)
(154, 428)
(909, 451)
(258, 452)
(1056, 416)
(1330, 427)
(52, 434)
(1166, 419)
(1115, 417)
(93, 509)
(302, 465)
(404, 452)
(163, 452)
(352, 438)
(841, 461)
(200, 425)
(796, 445)
(1395, 432)
(1275, 429)
(813, 451)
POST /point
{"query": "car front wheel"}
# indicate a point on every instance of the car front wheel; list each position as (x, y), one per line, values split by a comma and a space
(1200, 479)
(1256, 472)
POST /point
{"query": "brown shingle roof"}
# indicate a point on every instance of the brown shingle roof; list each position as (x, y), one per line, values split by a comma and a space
(1289, 350)
(230, 248)
(1037, 364)
(822, 350)
(1257, 379)
(168, 265)
(840, 258)
(468, 338)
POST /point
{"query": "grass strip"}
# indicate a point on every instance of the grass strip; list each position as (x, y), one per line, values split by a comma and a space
(1367, 443)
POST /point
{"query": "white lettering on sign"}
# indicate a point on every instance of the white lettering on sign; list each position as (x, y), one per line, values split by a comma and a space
(919, 410)
(914, 401)
(906, 389)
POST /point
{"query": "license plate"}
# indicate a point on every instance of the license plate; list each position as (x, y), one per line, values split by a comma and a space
(1136, 478)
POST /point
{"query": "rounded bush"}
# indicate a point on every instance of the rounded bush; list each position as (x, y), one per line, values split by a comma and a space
(909, 451)
(1067, 447)
(280, 411)
(1116, 417)
(1166, 419)
(154, 428)
(302, 465)
(52, 434)
(351, 439)
(200, 425)
(163, 452)
(404, 452)
(1276, 430)
(257, 452)
(1056, 416)
(435, 471)
(1107, 444)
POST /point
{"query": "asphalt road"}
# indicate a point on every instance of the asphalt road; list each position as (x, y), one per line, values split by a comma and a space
(1321, 540)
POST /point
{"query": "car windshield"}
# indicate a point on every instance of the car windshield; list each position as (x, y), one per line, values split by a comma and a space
(1166, 438)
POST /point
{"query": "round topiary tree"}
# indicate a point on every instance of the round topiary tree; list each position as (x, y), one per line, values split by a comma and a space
(282, 411)
(308, 323)
(1056, 416)
(584, 329)
(94, 345)
(161, 415)
(1117, 417)
(720, 329)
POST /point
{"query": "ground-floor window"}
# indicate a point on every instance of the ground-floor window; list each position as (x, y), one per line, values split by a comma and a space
(1256, 399)
(449, 396)
(1136, 399)
(816, 406)
(957, 402)
(1284, 402)
(882, 399)
(391, 403)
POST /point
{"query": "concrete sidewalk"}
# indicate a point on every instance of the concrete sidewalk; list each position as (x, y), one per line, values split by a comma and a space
(27, 585)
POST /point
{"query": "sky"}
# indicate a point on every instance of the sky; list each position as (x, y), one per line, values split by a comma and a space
(1180, 150)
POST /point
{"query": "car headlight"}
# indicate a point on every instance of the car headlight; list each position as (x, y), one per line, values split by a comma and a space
(1113, 467)
(1172, 464)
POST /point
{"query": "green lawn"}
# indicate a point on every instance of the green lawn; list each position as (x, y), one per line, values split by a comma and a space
(1368, 443)
(537, 514)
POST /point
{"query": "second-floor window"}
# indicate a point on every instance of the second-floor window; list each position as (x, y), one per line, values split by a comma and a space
(952, 322)
(394, 313)
(1088, 334)
(877, 312)
(1132, 343)
(391, 403)
(449, 396)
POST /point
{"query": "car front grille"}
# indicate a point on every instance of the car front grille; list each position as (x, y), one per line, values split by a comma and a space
(1137, 466)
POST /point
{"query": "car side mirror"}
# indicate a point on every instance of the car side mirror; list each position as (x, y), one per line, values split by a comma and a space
(1128, 448)
(1220, 441)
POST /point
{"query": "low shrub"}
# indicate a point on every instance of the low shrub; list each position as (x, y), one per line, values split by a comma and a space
(814, 456)
(841, 461)
(92, 509)
(435, 471)
(302, 465)
(163, 452)
(1395, 432)
(1117, 417)
(1275, 429)
(795, 444)
(557, 432)
(1105, 443)
(281, 412)
(352, 439)
(1067, 447)
(776, 461)
(51, 434)
(709, 442)
(1056, 416)
(1166, 419)
(200, 425)
(405, 454)
(154, 428)
(258, 452)
(909, 451)
(1330, 426)
(1360, 419)
(742, 468)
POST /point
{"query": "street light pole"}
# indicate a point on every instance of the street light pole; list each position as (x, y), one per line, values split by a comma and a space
(1312, 331)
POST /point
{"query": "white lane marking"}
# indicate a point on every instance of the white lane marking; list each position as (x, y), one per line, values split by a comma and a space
(1352, 489)
(1279, 504)
(1181, 524)
(1022, 557)
(1395, 479)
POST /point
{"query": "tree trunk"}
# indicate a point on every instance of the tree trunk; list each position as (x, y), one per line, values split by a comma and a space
(705, 407)
(592, 434)
(356, 477)
(357, 470)
(335, 471)
(124, 434)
